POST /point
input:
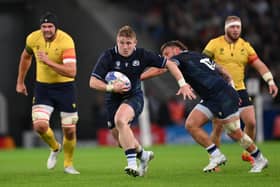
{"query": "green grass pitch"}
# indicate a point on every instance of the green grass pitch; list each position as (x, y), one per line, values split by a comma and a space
(174, 165)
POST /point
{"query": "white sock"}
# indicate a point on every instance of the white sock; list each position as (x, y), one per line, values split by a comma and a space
(131, 157)
(144, 155)
(216, 152)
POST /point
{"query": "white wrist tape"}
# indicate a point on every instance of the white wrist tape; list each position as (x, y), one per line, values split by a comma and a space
(271, 82)
(268, 77)
(182, 82)
(109, 88)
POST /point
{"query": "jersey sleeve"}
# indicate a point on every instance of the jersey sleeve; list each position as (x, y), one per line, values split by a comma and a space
(28, 44)
(69, 53)
(69, 56)
(154, 60)
(175, 60)
(101, 67)
(252, 55)
(209, 50)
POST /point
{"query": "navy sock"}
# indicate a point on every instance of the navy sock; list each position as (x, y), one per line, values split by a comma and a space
(211, 148)
(139, 155)
(256, 153)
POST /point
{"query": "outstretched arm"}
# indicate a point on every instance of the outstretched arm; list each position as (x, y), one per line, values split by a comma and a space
(152, 72)
(185, 89)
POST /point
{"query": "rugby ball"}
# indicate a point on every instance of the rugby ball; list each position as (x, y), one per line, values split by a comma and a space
(114, 76)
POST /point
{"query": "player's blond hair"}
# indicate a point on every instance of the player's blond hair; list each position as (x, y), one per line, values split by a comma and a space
(126, 31)
(231, 19)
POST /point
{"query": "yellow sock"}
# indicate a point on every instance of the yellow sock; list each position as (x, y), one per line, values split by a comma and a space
(49, 138)
(69, 146)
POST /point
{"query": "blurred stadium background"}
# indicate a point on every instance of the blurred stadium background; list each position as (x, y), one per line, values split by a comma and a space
(93, 24)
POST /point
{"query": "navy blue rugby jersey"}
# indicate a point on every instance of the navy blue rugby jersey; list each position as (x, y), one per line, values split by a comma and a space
(131, 66)
(200, 72)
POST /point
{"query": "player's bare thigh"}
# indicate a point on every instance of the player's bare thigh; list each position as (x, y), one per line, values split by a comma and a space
(247, 114)
(124, 115)
(196, 119)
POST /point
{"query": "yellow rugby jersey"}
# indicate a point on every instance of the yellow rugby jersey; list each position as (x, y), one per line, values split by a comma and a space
(60, 50)
(233, 57)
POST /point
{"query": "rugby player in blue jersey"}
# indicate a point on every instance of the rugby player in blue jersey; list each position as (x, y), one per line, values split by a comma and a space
(124, 104)
(219, 99)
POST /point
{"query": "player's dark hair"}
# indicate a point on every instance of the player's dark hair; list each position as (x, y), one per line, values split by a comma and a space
(49, 17)
(127, 31)
(173, 43)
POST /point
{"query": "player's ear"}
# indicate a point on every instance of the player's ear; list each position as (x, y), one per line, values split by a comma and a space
(177, 50)
(117, 39)
(135, 41)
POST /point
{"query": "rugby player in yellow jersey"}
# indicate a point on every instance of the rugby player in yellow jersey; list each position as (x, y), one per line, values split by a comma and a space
(233, 53)
(54, 52)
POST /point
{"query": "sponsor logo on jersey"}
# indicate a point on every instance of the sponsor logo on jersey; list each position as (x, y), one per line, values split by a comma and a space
(136, 63)
(117, 65)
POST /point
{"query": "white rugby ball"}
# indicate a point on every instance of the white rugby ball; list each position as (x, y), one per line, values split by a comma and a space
(114, 76)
